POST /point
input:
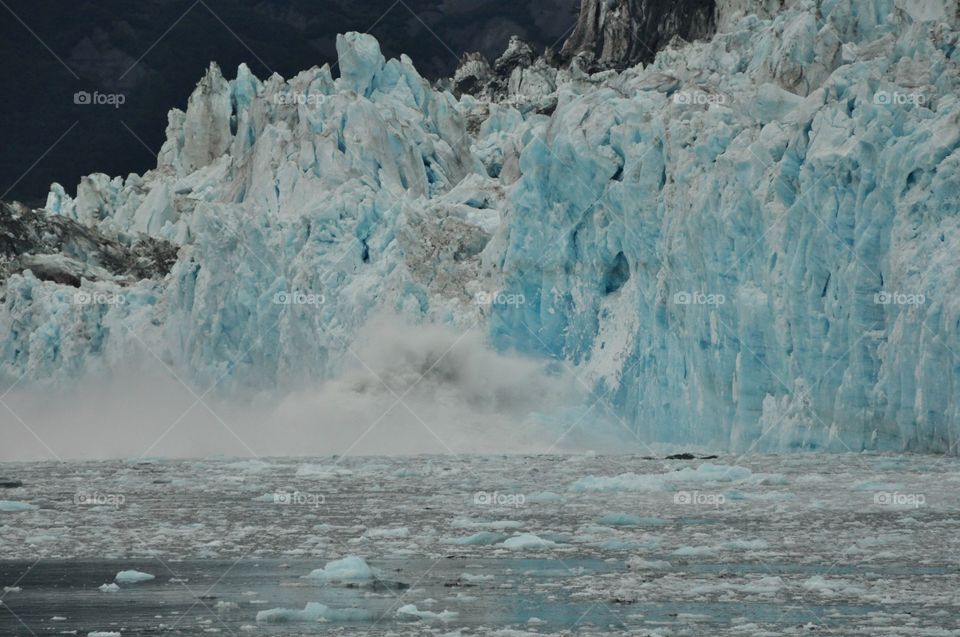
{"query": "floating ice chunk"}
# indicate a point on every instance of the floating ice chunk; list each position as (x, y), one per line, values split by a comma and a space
(109, 588)
(544, 497)
(772, 479)
(874, 485)
(694, 551)
(622, 482)
(58, 618)
(707, 472)
(133, 577)
(347, 569)
(249, 466)
(769, 496)
(745, 545)
(481, 538)
(101, 633)
(763, 586)
(387, 533)
(12, 589)
(313, 612)
(527, 541)
(320, 471)
(410, 610)
(620, 519)
(499, 525)
(618, 545)
(640, 564)
(828, 588)
(11, 506)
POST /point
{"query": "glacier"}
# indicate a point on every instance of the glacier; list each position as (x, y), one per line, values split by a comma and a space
(749, 243)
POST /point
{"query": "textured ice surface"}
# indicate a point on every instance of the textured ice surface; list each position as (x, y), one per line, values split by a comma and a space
(752, 242)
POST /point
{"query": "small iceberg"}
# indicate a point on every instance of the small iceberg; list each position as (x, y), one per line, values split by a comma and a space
(410, 610)
(641, 564)
(132, 577)
(527, 541)
(348, 569)
(11, 506)
(620, 519)
(483, 538)
(313, 612)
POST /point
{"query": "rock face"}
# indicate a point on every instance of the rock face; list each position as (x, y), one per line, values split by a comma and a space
(751, 242)
(609, 34)
(55, 248)
(517, 75)
(475, 77)
(616, 34)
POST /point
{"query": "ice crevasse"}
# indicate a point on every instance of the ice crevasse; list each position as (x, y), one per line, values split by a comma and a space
(751, 242)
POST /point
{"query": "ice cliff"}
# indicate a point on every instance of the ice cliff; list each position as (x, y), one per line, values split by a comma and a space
(750, 242)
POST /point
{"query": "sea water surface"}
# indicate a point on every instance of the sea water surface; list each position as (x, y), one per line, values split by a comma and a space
(850, 544)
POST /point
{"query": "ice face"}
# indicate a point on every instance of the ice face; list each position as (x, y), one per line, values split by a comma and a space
(750, 243)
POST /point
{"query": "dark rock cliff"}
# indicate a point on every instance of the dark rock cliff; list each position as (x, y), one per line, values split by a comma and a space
(609, 34)
(620, 33)
(56, 248)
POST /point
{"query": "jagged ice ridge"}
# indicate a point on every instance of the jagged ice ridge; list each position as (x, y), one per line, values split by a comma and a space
(751, 242)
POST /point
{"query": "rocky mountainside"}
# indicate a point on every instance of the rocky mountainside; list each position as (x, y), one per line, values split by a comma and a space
(607, 36)
(621, 33)
(61, 250)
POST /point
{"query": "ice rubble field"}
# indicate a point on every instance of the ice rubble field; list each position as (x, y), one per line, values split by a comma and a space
(802, 168)
(763, 545)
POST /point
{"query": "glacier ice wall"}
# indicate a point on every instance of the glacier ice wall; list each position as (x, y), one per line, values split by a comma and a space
(749, 243)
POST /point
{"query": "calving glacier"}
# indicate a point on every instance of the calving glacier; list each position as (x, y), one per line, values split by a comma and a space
(750, 242)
